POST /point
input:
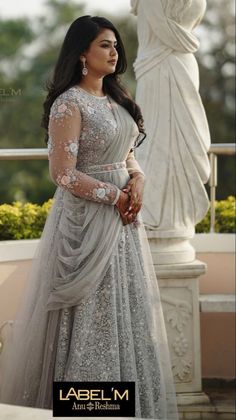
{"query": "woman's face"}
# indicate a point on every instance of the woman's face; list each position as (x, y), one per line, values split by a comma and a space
(101, 56)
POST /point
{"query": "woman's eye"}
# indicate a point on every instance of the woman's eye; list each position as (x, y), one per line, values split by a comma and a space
(107, 46)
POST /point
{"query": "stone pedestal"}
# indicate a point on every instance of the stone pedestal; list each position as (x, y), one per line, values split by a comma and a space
(179, 291)
(171, 250)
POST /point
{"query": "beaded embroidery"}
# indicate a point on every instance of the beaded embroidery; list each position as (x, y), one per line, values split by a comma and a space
(64, 143)
(81, 127)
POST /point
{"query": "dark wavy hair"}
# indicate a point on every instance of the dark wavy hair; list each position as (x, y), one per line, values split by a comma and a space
(68, 70)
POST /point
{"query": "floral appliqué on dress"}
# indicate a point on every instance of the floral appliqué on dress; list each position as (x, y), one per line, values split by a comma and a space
(64, 145)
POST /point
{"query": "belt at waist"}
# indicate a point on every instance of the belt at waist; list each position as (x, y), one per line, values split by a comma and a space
(105, 167)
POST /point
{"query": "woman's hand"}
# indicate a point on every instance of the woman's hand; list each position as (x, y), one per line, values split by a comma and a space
(134, 188)
(122, 206)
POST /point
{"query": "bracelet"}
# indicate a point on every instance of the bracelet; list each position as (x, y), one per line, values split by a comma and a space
(117, 196)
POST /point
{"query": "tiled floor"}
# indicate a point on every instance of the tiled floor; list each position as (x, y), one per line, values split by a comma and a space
(222, 396)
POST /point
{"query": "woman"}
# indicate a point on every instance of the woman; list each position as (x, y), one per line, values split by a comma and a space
(92, 311)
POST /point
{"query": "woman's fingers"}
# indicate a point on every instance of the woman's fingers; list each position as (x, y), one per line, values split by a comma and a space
(133, 208)
(127, 188)
(135, 192)
(129, 218)
(135, 201)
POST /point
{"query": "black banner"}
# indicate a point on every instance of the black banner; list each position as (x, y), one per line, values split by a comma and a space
(93, 399)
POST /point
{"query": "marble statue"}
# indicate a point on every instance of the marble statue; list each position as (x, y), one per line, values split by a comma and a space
(174, 155)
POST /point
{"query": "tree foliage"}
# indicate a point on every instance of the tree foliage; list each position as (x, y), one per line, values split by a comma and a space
(216, 59)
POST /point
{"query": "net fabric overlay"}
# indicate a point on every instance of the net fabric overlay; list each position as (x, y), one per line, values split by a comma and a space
(91, 310)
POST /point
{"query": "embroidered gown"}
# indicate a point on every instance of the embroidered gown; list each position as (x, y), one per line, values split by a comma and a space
(91, 310)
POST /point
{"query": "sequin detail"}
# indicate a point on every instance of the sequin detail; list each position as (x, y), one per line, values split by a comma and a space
(71, 146)
(109, 331)
(78, 127)
(92, 169)
(60, 108)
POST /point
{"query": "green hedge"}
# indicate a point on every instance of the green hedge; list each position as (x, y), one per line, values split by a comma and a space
(23, 221)
(224, 219)
(26, 221)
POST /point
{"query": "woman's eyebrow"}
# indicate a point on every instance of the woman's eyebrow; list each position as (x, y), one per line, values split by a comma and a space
(108, 40)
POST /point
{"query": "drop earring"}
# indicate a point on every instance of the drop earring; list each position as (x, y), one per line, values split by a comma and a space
(84, 70)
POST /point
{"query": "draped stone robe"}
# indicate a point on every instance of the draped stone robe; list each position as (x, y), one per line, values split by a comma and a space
(174, 155)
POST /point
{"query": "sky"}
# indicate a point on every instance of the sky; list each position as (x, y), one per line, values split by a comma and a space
(16, 8)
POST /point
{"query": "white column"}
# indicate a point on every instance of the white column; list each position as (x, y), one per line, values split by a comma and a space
(179, 290)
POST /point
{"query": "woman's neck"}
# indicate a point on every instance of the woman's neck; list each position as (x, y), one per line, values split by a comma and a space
(92, 85)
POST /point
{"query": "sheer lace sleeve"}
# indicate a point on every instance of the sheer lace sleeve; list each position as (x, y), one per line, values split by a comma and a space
(132, 165)
(63, 148)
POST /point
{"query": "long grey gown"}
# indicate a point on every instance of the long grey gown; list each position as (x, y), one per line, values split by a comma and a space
(91, 310)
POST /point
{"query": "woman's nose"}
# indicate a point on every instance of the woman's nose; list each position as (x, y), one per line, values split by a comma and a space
(113, 51)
